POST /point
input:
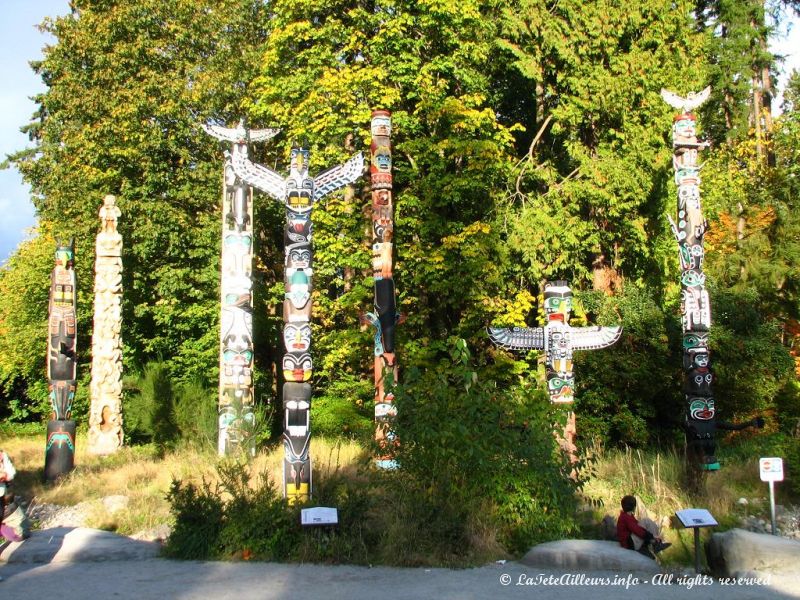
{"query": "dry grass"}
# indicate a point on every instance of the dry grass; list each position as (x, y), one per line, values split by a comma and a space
(144, 475)
(662, 486)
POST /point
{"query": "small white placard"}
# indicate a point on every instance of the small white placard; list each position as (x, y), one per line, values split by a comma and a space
(319, 515)
(696, 517)
(771, 469)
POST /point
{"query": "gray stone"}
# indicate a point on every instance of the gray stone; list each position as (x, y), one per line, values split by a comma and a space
(608, 527)
(116, 503)
(79, 544)
(737, 551)
(588, 555)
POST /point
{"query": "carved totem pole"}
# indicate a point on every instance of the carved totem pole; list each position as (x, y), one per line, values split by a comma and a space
(236, 285)
(385, 317)
(558, 340)
(701, 422)
(298, 192)
(61, 364)
(105, 416)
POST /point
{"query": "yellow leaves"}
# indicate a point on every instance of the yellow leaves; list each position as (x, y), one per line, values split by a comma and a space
(453, 241)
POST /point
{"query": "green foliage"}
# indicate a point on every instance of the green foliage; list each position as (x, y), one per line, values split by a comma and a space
(478, 449)
(630, 392)
(158, 409)
(341, 411)
(198, 521)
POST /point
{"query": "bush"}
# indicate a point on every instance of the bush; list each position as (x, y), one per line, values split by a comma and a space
(480, 454)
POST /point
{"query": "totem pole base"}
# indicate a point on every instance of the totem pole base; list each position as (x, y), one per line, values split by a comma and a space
(59, 455)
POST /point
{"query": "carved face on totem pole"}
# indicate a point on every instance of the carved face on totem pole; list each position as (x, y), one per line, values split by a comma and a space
(297, 337)
(557, 301)
(298, 228)
(299, 185)
(296, 440)
(297, 366)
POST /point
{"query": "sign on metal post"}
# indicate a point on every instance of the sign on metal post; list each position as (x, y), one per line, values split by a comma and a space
(771, 470)
(695, 518)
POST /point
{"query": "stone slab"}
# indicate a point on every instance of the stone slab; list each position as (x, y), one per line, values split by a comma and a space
(737, 553)
(588, 555)
(77, 544)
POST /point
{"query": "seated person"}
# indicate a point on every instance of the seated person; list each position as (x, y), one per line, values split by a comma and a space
(628, 527)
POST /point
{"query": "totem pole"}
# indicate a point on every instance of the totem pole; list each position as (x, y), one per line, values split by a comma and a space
(385, 317)
(558, 340)
(105, 416)
(700, 420)
(236, 285)
(298, 192)
(61, 364)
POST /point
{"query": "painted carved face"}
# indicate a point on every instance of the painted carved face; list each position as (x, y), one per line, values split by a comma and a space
(557, 302)
(299, 159)
(299, 196)
(298, 256)
(684, 127)
(237, 356)
(687, 176)
(297, 337)
(689, 197)
(698, 382)
(297, 287)
(695, 340)
(560, 388)
(382, 159)
(692, 278)
(701, 409)
(381, 124)
(65, 256)
(298, 228)
(297, 366)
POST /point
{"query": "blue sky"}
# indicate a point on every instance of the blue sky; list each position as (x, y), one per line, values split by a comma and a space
(21, 42)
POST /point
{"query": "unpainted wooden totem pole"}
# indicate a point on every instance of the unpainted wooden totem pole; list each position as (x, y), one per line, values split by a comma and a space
(298, 192)
(558, 340)
(701, 422)
(236, 418)
(61, 364)
(105, 415)
(385, 317)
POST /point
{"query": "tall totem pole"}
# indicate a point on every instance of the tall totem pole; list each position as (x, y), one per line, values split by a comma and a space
(61, 364)
(701, 422)
(385, 317)
(298, 192)
(236, 286)
(105, 415)
(558, 340)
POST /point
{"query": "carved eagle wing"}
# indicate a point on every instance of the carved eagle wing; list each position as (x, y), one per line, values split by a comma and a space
(338, 176)
(266, 180)
(593, 338)
(518, 338)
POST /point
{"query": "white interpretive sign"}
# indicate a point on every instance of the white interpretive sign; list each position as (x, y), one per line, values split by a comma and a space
(319, 515)
(696, 517)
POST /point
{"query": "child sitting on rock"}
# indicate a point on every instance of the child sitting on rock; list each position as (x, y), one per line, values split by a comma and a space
(629, 531)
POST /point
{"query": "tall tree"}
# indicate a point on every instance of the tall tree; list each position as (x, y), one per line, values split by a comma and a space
(127, 85)
(589, 193)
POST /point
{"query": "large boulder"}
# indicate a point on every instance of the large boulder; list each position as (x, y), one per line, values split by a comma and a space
(738, 553)
(77, 544)
(588, 555)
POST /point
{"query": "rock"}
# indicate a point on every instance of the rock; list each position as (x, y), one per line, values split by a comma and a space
(608, 527)
(588, 555)
(737, 551)
(742, 501)
(115, 503)
(81, 544)
(154, 534)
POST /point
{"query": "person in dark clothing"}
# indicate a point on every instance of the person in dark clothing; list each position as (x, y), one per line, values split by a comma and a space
(627, 525)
